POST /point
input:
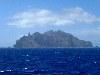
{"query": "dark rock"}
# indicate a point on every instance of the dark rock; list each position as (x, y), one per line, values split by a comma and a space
(51, 39)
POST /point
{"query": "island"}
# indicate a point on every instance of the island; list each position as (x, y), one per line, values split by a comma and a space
(51, 39)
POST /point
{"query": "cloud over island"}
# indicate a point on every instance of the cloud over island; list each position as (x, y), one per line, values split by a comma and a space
(44, 17)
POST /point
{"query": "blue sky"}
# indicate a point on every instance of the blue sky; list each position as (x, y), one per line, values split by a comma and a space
(79, 17)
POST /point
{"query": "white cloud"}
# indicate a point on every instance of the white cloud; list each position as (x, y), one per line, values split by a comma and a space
(79, 15)
(45, 17)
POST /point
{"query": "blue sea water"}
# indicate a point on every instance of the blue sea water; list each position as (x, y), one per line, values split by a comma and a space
(50, 61)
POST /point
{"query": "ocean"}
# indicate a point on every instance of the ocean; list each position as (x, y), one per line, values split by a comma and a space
(50, 61)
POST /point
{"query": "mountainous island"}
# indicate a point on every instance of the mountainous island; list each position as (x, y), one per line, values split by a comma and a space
(51, 39)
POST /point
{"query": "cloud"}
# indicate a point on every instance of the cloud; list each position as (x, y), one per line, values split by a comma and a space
(43, 17)
(79, 15)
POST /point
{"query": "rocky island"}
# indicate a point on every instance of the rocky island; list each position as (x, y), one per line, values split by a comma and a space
(51, 39)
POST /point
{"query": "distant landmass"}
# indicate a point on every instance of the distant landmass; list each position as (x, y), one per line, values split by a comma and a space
(51, 39)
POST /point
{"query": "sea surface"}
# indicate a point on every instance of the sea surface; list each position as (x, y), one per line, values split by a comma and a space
(50, 61)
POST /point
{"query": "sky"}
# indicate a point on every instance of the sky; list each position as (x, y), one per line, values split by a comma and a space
(78, 17)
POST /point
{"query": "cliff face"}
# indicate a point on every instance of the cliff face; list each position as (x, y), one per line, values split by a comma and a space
(51, 39)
